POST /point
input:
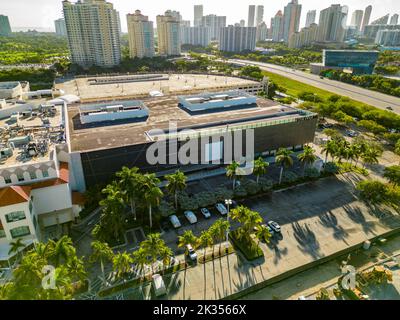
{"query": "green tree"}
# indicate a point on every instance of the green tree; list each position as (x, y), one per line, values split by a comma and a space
(205, 241)
(101, 252)
(330, 149)
(392, 173)
(128, 180)
(122, 263)
(176, 183)
(307, 157)
(284, 159)
(188, 238)
(260, 168)
(263, 234)
(140, 259)
(152, 193)
(231, 172)
(153, 246)
(62, 251)
(370, 156)
(15, 247)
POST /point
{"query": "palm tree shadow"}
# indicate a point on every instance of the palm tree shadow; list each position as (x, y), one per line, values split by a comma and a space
(329, 220)
(278, 253)
(356, 215)
(307, 240)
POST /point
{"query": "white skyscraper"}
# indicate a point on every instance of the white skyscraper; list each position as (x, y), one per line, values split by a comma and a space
(237, 39)
(93, 32)
(311, 16)
(251, 16)
(196, 36)
(259, 15)
(367, 16)
(277, 24)
(394, 20)
(262, 31)
(215, 23)
(198, 15)
(291, 17)
(168, 30)
(356, 19)
(140, 35)
(332, 24)
(61, 29)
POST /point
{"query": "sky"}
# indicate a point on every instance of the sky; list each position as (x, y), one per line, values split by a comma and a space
(40, 14)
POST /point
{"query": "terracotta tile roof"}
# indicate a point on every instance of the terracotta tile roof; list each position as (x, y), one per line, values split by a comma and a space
(78, 198)
(14, 195)
(64, 172)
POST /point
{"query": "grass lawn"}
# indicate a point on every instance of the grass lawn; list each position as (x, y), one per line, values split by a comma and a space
(295, 87)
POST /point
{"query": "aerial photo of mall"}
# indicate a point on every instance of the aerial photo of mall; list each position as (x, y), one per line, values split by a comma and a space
(157, 154)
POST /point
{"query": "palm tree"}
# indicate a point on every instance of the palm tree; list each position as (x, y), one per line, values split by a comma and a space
(219, 230)
(260, 168)
(129, 184)
(263, 233)
(253, 219)
(176, 183)
(140, 258)
(62, 250)
(165, 255)
(371, 156)
(330, 149)
(231, 172)
(308, 157)
(205, 241)
(153, 246)
(15, 247)
(392, 173)
(76, 269)
(152, 193)
(122, 263)
(284, 159)
(101, 252)
(188, 238)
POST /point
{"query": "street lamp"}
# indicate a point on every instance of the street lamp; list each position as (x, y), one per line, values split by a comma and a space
(228, 202)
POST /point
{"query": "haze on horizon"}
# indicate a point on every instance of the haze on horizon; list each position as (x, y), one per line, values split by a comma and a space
(40, 14)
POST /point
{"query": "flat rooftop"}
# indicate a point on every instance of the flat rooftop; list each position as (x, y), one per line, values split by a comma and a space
(161, 112)
(119, 88)
(9, 85)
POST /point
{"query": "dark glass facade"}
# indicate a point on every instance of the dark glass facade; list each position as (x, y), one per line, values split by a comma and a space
(361, 62)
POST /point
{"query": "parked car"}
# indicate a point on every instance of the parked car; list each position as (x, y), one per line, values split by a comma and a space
(175, 221)
(190, 216)
(205, 212)
(389, 108)
(351, 133)
(191, 253)
(274, 226)
(221, 209)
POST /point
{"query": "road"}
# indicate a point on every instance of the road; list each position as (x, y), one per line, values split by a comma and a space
(372, 98)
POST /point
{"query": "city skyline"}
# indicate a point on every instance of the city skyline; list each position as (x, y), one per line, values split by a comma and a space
(50, 10)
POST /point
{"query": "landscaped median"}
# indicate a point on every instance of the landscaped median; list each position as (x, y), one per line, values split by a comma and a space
(250, 249)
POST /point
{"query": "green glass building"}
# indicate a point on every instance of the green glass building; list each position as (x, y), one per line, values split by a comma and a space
(5, 29)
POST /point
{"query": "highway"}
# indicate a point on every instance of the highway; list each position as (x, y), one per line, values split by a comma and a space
(372, 98)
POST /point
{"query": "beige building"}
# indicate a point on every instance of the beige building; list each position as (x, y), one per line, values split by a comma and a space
(140, 35)
(169, 35)
(93, 32)
(305, 37)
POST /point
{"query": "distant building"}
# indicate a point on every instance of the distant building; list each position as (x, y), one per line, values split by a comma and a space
(61, 29)
(311, 16)
(306, 37)
(366, 18)
(251, 16)
(388, 38)
(237, 39)
(277, 24)
(168, 31)
(291, 18)
(198, 15)
(332, 22)
(381, 20)
(394, 20)
(358, 61)
(371, 31)
(5, 29)
(356, 19)
(185, 23)
(140, 35)
(215, 23)
(196, 36)
(242, 23)
(93, 33)
(262, 32)
(259, 15)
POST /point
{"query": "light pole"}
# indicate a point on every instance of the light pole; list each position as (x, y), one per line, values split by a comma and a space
(228, 202)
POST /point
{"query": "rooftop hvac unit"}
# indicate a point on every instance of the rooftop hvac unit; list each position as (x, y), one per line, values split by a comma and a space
(6, 153)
